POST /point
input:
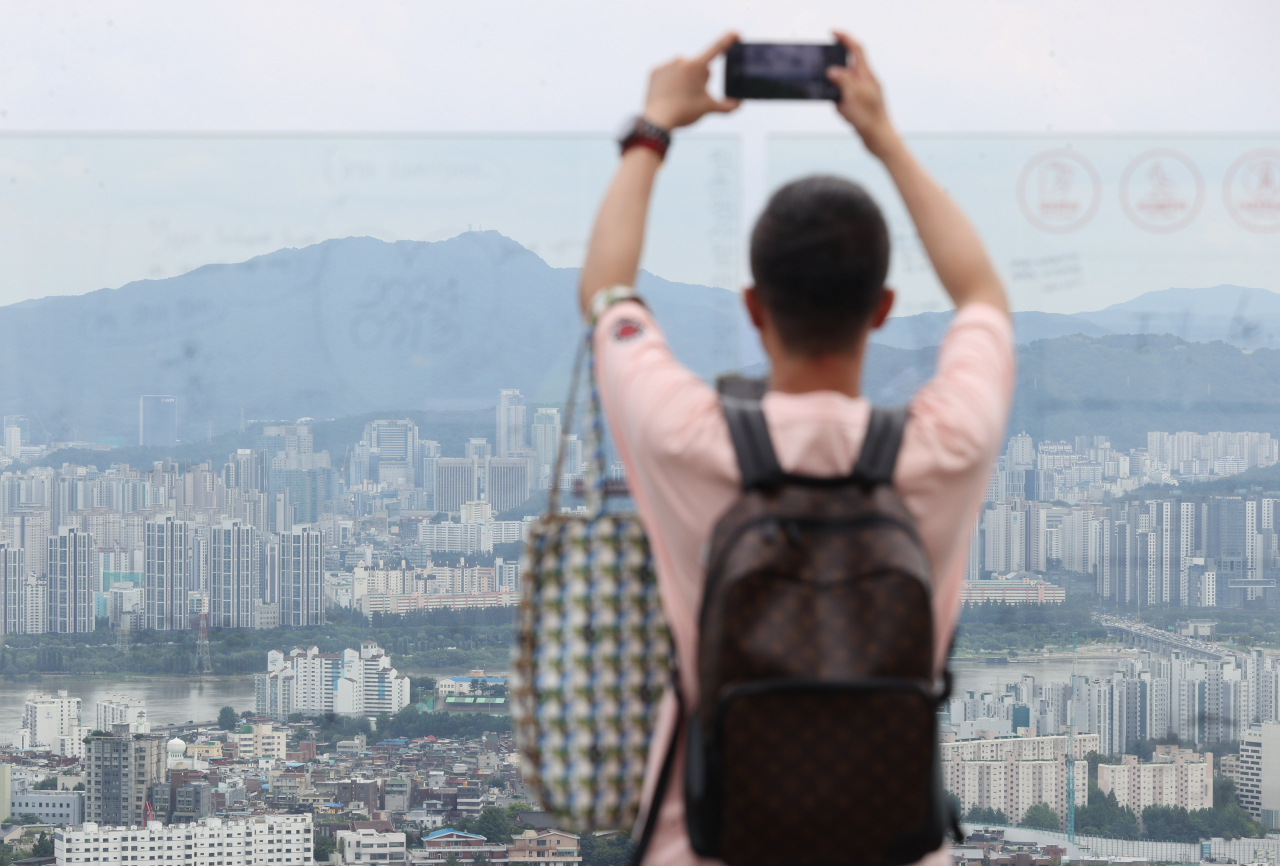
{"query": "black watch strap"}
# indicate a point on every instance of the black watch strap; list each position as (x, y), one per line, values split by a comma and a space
(642, 133)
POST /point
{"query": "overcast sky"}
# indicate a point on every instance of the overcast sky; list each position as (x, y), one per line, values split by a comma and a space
(1057, 70)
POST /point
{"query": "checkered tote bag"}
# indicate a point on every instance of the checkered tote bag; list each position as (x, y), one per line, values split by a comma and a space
(592, 654)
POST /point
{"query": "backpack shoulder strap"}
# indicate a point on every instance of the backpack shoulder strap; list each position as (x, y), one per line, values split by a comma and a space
(880, 448)
(750, 434)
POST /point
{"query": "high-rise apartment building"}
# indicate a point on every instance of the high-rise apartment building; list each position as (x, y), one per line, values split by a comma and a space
(1258, 774)
(35, 604)
(157, 421)
(357, 682)
(301, 577)
(12, 572)
(47, 719)
(122, 769)
(165, 577)
(369, 684)
(511, 413)
(112, 710)
(71, 568)
(29, 528)
(234, 582)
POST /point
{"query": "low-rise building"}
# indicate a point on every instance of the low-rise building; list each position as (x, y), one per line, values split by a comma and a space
(275, 839)
(365, 846)
(552, 847)
(438, 846)
(260, 741)
(51, 807)
(1175, 777)
(1022, 748)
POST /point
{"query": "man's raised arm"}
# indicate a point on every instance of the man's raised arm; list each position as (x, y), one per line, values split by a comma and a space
(954, 248)
(677, 97)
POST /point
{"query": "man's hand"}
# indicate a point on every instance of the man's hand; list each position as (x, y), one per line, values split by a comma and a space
(678, 89)
(861, 100)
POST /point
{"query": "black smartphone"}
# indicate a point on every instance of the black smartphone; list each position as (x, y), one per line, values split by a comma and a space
(770, 70)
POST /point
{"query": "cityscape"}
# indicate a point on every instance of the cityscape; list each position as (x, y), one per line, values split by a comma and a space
(289, 306)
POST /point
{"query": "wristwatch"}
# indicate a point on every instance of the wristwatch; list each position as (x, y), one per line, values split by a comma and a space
(639, 132)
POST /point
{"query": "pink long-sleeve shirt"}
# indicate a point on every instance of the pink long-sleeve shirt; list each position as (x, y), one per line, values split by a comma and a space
(683, 475)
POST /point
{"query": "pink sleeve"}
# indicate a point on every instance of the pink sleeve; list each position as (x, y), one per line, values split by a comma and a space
(956, 427)
(673, 440)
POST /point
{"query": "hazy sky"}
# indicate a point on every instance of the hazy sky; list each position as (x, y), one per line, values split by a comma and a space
(79, 213)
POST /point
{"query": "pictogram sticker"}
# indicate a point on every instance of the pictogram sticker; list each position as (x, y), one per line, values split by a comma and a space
(1059, 191)
(1162, 191)
(1251, 190)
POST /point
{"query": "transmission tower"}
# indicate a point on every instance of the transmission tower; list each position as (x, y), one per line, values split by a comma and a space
(122, 637)
(204, 664)
(1071, 746)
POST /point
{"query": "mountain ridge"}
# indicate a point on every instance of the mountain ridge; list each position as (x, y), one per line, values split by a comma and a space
(350, 326)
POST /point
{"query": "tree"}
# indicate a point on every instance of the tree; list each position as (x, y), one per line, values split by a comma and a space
(324, 847)
(480, 859)
(48, 783)
(452, 860)
(43, 846)
(79, 786)
(1040, 817)
(614, 849)
(982, 815)
(227, 719)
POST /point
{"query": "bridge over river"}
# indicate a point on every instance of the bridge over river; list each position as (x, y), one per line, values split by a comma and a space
(1163, 642)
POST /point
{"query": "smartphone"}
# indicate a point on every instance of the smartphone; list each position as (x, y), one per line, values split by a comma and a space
(762, 70)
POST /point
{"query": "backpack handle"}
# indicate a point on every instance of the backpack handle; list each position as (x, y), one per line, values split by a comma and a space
(758, 462)
(593, 444)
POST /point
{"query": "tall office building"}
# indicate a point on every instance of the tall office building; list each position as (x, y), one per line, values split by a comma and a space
(71, 570)
(509, 482)
(123, 767)
(546, 439)
(397, 446)
(301, 577)
(510, 423)
(428, 453)
(157, 420)
(15, 433)
(234, 561)
(11, 585)
(457, 482)
(165, 576)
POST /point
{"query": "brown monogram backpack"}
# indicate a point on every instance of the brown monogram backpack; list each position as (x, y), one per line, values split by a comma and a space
(815, 736)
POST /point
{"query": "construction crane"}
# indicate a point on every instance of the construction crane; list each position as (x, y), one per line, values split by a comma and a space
(1071, 745)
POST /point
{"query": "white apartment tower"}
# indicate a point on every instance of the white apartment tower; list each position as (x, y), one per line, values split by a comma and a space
(70, 570)
(233, 574)
(510, 423)
(165, 575)
(11, 586)
(301, 577)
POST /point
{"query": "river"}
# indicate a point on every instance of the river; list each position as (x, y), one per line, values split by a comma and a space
(173, 700)
(169, 700)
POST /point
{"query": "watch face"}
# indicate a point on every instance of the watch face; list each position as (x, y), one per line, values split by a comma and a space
(628, 128)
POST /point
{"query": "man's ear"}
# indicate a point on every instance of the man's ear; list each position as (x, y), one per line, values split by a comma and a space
(882, 308)
(755, 309)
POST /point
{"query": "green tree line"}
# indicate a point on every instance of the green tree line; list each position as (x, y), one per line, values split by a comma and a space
(997, 626)
(428, 640)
